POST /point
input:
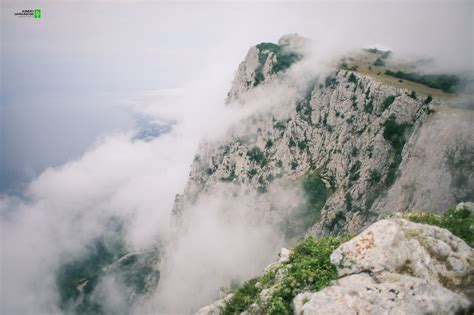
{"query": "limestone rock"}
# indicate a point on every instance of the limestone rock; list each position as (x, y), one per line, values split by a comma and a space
(214, 308)
(397, 267)
(388, 293)
(401, 246)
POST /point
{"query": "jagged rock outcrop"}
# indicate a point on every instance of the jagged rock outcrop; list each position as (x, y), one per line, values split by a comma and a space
(375, 147)
(393, 267)
(397, 267)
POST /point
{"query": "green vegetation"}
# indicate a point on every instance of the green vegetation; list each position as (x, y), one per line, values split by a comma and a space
(316, 194)
(348, 201)
(252, 172)
(309, 268)
(354, 152)
(352, 78)
(369, 102)
(71, 275)
(330, 81)
(388, 101)
(303, 107)
(262, 189)
(385, 54)
(428, 100)
(269, 144)
(101, 259)
(294, 164)
(231, 176)
(302, 144)
(354, 172)
(256, 155)
(243, 297)
(379, 62)
(374, 177)
(262, 59)
(284, 57)
(396, 135)
(291, 142)
(280, 125)
(460, 222)
(444, 82)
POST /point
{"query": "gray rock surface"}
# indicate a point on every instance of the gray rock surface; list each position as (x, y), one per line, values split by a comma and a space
(214, 308)
(397, 267)
(388, 293)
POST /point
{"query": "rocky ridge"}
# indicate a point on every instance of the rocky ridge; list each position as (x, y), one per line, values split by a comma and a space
(393, 267)
(365, 146)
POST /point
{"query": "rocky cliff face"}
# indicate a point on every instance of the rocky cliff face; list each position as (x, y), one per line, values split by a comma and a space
(341, 149)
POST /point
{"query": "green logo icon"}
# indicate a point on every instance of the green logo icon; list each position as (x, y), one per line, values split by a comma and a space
(37, 13)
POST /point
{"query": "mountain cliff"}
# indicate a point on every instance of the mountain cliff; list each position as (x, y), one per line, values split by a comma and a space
(344, 144)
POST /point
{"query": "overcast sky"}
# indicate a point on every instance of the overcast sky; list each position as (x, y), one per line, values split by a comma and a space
(66, 76)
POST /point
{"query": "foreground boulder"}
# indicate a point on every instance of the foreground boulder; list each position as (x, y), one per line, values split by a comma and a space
(397, 267)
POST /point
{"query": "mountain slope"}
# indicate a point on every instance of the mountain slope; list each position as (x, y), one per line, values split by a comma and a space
(343, 146)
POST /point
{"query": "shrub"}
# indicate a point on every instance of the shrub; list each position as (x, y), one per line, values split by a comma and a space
(444, 82)
(291, 142)
(330, 81)
(302, 144)
(354, 172)
(294, 164)
(256, 155)
(388, 101)
(348, 201)
(252, 172)
(243, 297)
(284, 57)
(308, 268)
(231, 176)
(379, 62)
(428, 100)
(352, 78)
(269, 144)
(396, 135)
(280, 125)
(374, 177)
(354, 152)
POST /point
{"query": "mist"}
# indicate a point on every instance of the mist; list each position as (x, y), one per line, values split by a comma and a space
(76, 86)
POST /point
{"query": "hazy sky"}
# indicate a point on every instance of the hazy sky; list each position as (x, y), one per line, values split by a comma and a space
(65, 76)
